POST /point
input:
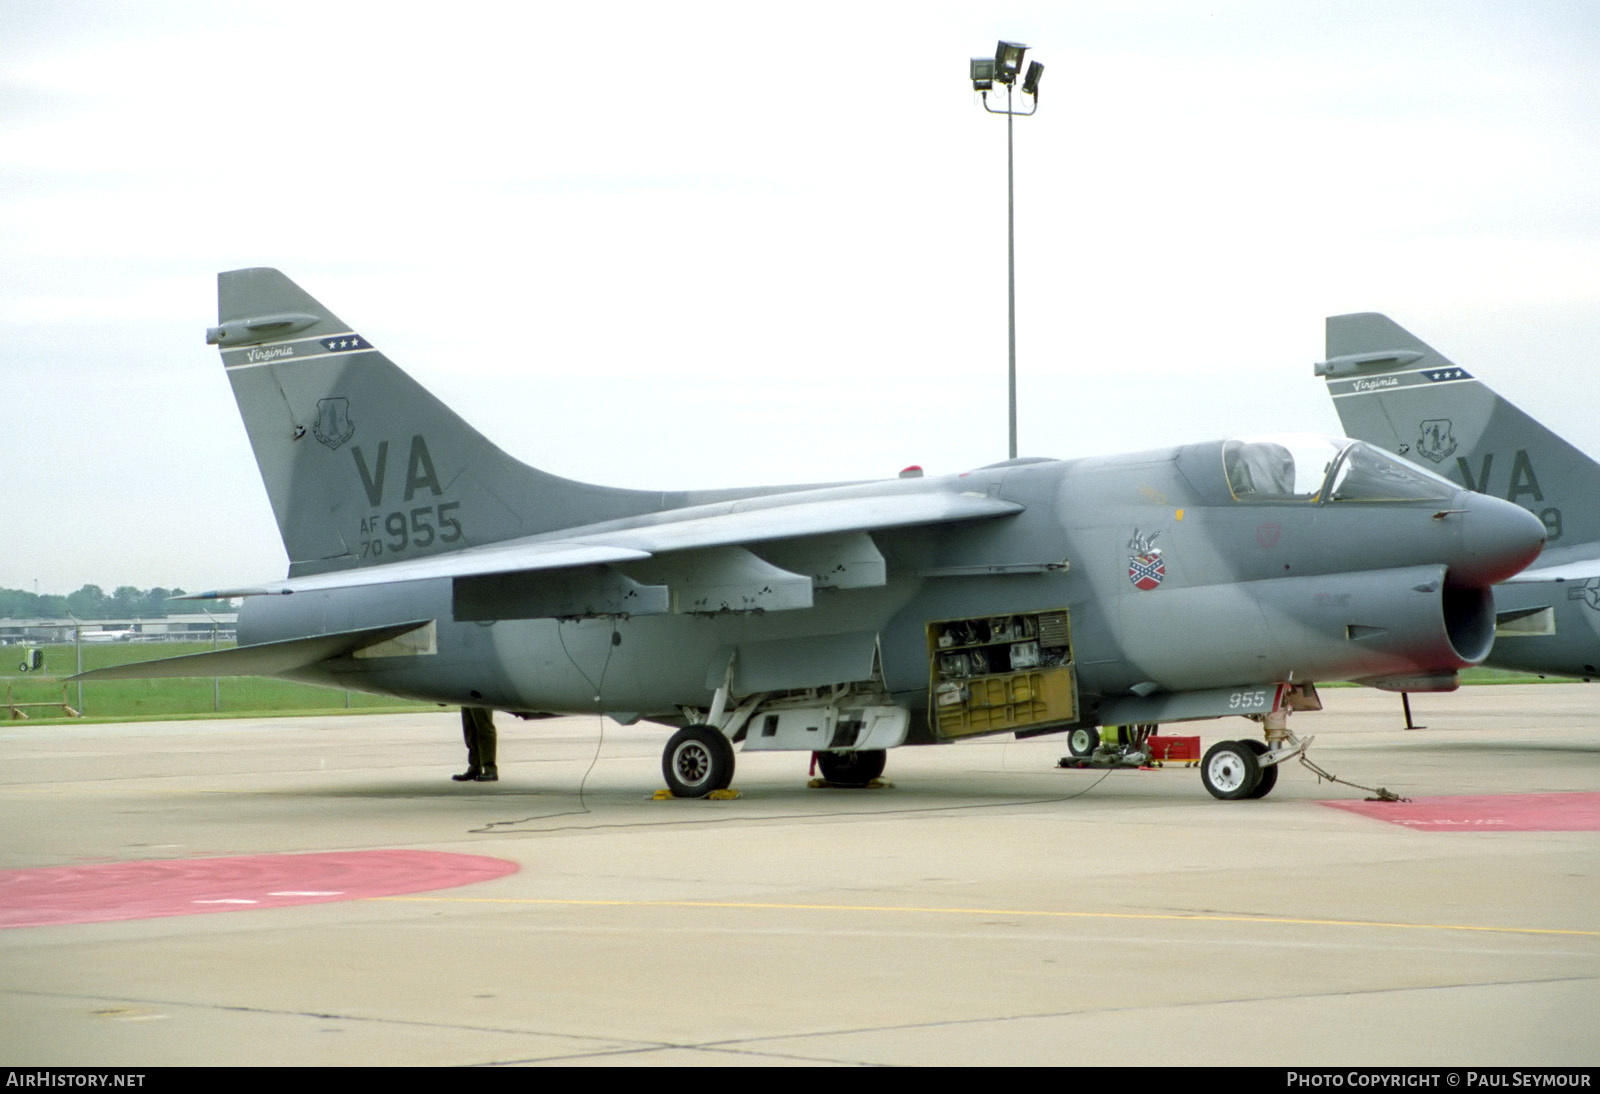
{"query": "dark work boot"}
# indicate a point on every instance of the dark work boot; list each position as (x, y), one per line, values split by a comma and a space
(471, 774)
(488, 775)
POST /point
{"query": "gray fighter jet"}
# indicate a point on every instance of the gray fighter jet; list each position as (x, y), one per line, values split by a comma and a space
(1394, 390)
(1032, 596)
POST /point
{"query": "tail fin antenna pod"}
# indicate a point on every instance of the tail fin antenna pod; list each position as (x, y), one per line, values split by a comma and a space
(265, 328)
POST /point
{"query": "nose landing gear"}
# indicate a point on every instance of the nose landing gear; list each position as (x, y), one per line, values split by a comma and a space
(1233, 770)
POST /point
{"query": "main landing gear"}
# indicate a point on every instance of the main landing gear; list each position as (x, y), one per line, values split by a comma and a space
(847, 731)
(698, 760)
(852, 769)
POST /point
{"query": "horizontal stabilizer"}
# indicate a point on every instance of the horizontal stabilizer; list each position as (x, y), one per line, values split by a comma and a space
(263, 659)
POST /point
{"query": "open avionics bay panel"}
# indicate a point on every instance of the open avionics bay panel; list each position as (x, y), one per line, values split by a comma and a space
(994, 673)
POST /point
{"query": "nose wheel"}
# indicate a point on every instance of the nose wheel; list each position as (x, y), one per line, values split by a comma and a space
(1233, 770)
(1269, 772)
(1230, 770)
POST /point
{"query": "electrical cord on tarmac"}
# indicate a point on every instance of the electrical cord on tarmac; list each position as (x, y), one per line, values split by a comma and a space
(727, 819)
(595, 686)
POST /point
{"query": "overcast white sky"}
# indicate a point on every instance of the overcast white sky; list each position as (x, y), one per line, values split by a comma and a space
(690, 244)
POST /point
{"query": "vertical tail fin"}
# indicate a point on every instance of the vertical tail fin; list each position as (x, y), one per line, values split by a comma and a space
(1394, 390)
(361, 463)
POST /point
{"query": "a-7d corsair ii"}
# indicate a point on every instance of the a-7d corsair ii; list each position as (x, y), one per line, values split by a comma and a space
(1027, 597)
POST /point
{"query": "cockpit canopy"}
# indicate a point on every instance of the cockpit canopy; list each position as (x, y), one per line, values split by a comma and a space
(1308, 468)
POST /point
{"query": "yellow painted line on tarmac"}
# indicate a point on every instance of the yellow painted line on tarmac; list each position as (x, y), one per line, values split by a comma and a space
(1191, 917)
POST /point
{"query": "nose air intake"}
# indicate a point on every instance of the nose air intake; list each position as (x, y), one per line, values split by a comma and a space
(1468, 613)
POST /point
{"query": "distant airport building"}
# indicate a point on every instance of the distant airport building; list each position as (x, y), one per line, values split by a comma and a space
(190, 627)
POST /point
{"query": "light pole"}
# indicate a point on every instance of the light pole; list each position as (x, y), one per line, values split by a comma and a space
(1003, 68)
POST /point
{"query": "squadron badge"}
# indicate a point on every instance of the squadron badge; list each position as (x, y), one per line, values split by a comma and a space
(1437, 441)
(334, 426)
(1145, 568)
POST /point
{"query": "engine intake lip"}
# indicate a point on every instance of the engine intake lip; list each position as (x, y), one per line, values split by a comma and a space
(1468, 619)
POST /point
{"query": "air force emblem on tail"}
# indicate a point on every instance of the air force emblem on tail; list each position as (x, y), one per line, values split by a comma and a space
(1145, 567)
(334, 425)
(1438, 441)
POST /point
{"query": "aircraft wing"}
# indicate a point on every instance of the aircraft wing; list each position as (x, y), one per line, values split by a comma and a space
(663, 533)
(1582, 570)
(499, 558)
(811, 518)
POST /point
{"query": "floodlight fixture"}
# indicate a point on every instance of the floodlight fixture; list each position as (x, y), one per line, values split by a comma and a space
(982, 73)
(1030, 82)
(1008, 61)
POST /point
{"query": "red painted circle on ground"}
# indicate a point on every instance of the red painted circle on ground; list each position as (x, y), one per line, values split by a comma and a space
(1578, 812)
(143, 890)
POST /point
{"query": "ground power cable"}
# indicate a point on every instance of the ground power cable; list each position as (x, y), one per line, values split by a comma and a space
(595, 686)
(743, 818)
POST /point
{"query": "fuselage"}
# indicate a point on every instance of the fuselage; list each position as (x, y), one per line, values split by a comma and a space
(1177, 571)
(1550, 627)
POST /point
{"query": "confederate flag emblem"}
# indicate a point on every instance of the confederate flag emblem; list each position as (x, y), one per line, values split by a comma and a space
(1145, 568)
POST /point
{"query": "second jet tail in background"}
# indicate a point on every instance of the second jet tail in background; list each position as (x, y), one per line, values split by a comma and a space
(1394, 390)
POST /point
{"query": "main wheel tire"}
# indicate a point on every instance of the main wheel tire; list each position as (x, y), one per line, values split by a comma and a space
(852, 768)
(1230, 770)
(698, 760)
(1269, 772)
(1082, 742)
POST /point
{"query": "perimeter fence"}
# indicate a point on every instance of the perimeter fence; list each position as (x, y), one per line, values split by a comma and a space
(44, 693)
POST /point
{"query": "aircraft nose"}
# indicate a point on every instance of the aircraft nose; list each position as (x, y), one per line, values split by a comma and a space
(1498, 539)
